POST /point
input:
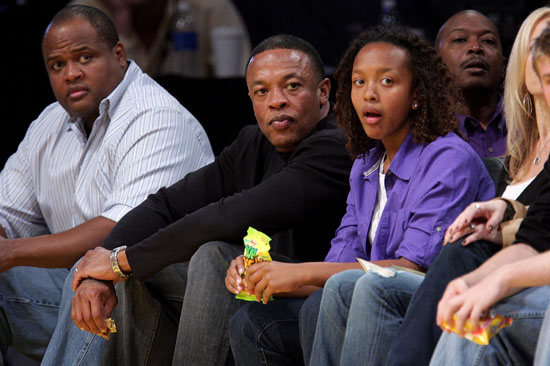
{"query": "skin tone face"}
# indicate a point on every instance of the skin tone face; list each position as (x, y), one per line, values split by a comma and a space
(469, 45)
(531, 80)
(83, 69)
(382, 93)
(543, 65)
(287, 96)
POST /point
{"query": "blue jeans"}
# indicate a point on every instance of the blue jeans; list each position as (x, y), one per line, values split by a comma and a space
(139, 319)
(542, 354)
(179, 316)
(514, 345)
(271, 334)
(418, 335)
(359, 316)
(29, 303)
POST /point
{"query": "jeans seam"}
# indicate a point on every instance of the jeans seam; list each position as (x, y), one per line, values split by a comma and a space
(260, 333)
(152, 339)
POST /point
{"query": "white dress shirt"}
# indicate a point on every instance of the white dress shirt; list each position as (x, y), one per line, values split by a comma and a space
(59, 178)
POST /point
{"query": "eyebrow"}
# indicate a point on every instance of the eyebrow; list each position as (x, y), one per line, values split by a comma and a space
(285, 77)
(76, 50)
(385, 69)
(483, 32)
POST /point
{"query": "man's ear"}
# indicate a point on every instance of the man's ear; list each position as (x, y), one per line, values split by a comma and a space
(323, 90)
(120, 53)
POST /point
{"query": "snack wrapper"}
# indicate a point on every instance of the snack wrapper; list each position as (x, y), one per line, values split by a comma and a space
(111, 328)
(256, 250)
(487, 328)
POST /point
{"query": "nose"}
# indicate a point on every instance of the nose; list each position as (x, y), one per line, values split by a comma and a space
(474, 46)
(371, 94)
(277, 99)
(72, 71)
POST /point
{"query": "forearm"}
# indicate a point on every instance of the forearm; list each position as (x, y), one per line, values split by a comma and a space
(506, 256)
(317, 273)
(529, 272)
(58, 250)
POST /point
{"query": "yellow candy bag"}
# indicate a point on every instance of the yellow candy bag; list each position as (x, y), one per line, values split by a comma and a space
(487, 328)
(256, 250)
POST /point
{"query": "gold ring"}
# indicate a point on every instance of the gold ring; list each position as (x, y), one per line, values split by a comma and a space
(477, 206)
(472, 226)
(76, 269)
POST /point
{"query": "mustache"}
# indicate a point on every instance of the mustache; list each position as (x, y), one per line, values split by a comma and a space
(475, 62)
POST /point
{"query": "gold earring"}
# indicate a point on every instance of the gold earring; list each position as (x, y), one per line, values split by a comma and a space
(415, 106)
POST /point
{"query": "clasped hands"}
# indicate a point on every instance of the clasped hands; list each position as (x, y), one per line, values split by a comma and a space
(93, 283)
(263, 279)
(480, 220)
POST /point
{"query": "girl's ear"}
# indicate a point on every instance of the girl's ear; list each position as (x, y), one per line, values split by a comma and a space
(416, 100)
(415, 105)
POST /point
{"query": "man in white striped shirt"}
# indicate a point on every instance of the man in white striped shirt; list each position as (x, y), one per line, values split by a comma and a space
(113, 137)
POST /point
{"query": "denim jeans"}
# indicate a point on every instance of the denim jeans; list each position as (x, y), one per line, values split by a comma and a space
(29, 303)
(138, 321)
(359, 316)
(189, 295)
(271, 334)
(514, 345)
(418, 334)
(542, 354)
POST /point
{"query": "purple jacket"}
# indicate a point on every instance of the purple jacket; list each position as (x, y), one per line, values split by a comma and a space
(427, 187)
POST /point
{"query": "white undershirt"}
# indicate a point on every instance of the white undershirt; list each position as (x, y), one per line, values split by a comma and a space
(381, 199)
(512, 192)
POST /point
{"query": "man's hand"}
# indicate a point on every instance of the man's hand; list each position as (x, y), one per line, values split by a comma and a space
(93, 302)
(95, 264)
(268, 278)
(480, 220)
(233, 279)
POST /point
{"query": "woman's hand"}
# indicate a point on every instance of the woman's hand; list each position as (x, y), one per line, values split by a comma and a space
(480, 220)
(469, 303)
(233, 279)
(268, 278)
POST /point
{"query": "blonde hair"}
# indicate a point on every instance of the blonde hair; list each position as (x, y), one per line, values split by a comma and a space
(521, 118)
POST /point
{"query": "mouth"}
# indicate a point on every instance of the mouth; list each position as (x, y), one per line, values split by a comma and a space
(281, 122)
(475, 65)
(372, 116)
(77, 92)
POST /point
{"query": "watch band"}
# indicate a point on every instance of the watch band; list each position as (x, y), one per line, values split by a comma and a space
(114, 263)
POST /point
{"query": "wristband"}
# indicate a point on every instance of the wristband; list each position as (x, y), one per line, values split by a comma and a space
(114, 263)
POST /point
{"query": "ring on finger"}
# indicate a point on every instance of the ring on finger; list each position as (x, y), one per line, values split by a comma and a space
(477, 206)
(76, 269)
(472, 226)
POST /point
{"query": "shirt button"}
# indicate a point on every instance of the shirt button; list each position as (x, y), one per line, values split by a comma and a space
(491, 149)
(438, 228)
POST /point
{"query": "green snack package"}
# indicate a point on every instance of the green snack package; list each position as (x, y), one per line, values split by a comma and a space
(256, 250)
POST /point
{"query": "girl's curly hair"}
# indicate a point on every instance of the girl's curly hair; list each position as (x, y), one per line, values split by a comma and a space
(434, 89)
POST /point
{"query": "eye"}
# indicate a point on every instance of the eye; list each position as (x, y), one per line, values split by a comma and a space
(459, 40)
(489, 41)
(358, 82)
(84, 58)
(260, 92)
(387, 81)
(56, 66)
(292, 86)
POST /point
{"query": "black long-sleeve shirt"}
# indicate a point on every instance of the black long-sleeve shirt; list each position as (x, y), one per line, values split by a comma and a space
(535, 227)
(297, 198)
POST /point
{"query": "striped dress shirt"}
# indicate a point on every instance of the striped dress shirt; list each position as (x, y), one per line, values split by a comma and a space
(142, 140)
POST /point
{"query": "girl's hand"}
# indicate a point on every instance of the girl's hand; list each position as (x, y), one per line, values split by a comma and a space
(233, 280)
(268, 278)
(480, 220)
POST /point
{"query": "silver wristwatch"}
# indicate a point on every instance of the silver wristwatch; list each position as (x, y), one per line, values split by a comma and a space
(114, 263)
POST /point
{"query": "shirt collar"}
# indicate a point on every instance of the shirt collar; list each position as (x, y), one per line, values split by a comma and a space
(467, 123)
(404, 162)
